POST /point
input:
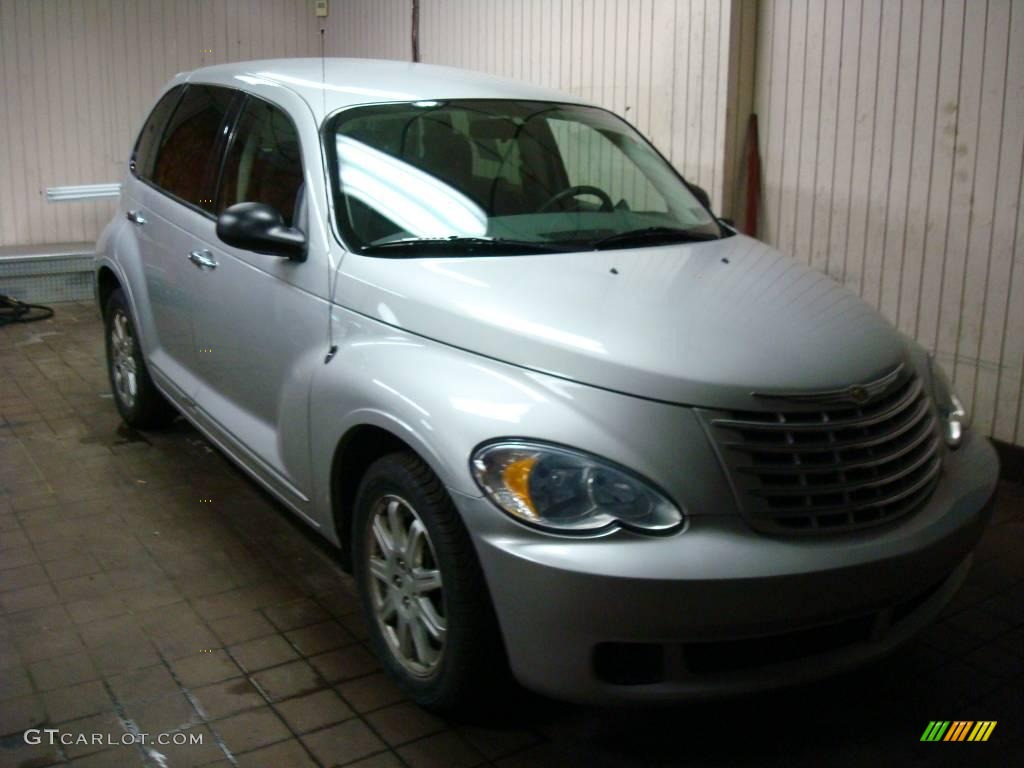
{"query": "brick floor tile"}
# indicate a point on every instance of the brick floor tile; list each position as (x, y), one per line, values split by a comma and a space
(270, 651)
(228, 697)
(18, 556)
(317, 638)
(46, 645)
(403, 722)
(37, 620)
(106, 724)
(380, 760)
(355, 623)
(204, 752)
(289, 753)
(84, 611)
(75, 701)
(163, 715)
(114, 757)
(442, 750)
(23, 712)
(314, 710)
(345, 663)
(62, 671)
(91, 587)
(295, 614)
(288, 680)
(30, 597)
(244, 626)
(343, 743)
(18, 753)
(205, 667)
(68, 568)
(371, 692)
(143, 684)
(250, 730)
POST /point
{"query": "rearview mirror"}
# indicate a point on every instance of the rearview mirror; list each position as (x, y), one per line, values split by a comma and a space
(701, 194)
(260, 228)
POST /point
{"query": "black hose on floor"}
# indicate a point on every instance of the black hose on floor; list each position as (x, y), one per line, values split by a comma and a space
(14, 311)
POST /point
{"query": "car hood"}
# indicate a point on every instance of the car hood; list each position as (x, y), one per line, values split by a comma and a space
(698, 323)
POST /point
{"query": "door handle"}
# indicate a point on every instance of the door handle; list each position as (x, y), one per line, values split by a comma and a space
(203, 259)
(135, 218)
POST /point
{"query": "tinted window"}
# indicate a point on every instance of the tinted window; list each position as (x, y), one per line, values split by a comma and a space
(188, 160)
(145, 147)
(263, 164)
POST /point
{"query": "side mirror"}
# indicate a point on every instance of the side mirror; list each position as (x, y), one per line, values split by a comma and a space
(260, 228)
(701, 194)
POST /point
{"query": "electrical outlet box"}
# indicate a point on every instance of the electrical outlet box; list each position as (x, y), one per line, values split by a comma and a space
(321, 8)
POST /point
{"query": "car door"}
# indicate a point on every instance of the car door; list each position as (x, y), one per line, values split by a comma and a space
(261, 321)
(176, 202)
(165, 327)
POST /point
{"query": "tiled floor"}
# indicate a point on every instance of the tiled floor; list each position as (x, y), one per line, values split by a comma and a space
(128, 604)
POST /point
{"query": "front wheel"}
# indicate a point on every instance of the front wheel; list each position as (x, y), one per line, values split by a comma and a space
(137, 399)
(426, 602)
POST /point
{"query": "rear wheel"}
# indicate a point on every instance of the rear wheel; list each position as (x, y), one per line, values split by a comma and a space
(137, 399)
(423, 593)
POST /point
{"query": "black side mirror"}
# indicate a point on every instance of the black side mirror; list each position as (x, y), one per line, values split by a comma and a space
(701, 194)
(260, 228)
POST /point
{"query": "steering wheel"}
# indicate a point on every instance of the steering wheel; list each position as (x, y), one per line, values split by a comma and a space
(579, 189)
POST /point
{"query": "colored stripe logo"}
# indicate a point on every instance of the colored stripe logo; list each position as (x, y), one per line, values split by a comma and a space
(958, 730)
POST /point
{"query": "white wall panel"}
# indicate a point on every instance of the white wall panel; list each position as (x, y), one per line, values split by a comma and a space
(662, 64)
(78, 77)
(892, 136)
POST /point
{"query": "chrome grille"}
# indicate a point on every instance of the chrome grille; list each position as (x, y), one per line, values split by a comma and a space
(832, 466)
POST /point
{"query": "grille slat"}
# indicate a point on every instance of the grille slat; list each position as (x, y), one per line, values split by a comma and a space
(833, 466)
(845, 487)
(922, 410)
(858, 421)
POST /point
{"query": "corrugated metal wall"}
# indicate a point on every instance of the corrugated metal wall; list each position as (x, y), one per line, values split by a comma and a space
(662, 64)
(892, 136)
(78, 77)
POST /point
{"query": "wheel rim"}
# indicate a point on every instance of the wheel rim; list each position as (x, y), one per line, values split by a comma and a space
(122, 348)
(405, 586)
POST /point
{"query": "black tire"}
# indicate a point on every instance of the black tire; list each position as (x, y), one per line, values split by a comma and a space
(473, 670)
(147, 408)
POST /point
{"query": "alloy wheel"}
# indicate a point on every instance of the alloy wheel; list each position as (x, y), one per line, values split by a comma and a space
(122, 350)
(405, 586)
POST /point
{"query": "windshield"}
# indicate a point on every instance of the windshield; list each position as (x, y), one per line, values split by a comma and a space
(518, 175)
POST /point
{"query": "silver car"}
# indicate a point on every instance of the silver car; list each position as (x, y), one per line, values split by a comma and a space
(561, 420)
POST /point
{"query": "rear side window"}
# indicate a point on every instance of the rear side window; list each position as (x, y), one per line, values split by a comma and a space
(149, 137)
(188, 159)
(264, 162)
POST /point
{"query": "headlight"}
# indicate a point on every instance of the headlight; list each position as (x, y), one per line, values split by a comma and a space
(954, 416)
(569, 492)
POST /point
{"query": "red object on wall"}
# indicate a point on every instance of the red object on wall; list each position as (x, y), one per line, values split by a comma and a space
(750, 181)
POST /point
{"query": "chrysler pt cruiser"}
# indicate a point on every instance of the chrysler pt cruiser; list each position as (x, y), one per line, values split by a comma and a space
(560, 420)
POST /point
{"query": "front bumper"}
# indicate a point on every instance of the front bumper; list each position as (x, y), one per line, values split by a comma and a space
(719, 609)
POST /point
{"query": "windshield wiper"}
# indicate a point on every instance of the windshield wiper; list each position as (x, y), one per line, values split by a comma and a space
(652, 235)
(466, 245)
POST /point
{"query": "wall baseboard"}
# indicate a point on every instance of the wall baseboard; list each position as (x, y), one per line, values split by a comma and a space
(1011, 461)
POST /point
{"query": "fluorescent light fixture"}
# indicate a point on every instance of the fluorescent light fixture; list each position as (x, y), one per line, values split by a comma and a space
(82, 192)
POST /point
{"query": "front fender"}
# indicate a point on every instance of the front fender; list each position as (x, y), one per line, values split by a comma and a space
(443, 402)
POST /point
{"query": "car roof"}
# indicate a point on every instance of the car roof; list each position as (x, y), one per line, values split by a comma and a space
(330, 84)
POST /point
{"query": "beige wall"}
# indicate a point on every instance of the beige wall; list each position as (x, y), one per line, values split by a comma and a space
(78, 77)
(892, 138)
(662, 64)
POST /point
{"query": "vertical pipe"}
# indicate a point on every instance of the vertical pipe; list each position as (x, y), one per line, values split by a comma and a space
(415, 30)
